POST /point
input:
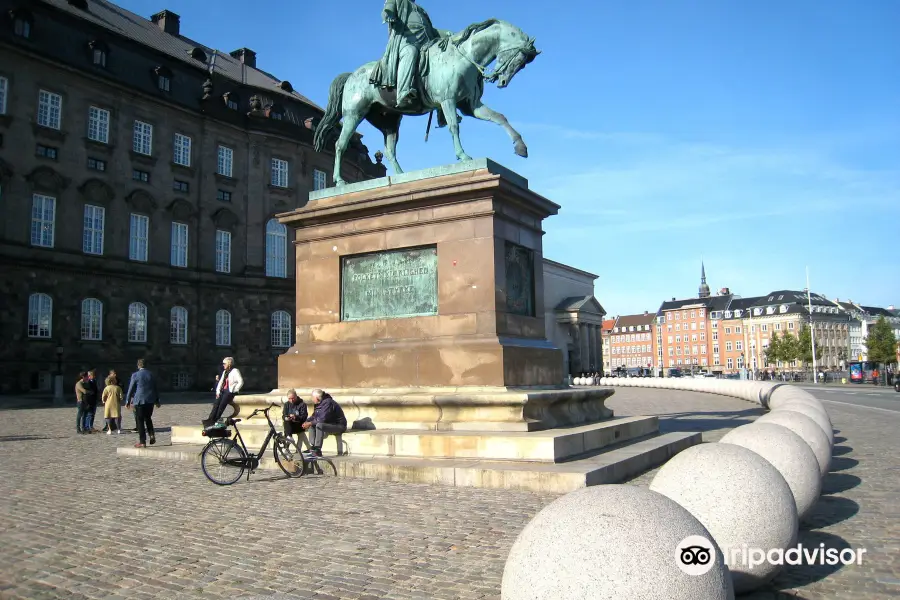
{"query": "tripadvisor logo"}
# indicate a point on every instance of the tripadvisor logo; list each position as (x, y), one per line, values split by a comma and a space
(695, 555)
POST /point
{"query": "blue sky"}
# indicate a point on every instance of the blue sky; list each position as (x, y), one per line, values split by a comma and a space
(761, 136)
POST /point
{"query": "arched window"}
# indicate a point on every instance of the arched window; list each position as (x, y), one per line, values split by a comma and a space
(178, 325)
(91, 319)
(40, 316)
(223, 328)
(282, 336)
(137, 322)
(276, 249)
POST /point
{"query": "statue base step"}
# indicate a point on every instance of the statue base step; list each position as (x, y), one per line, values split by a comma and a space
(614, 465)
(553, 446)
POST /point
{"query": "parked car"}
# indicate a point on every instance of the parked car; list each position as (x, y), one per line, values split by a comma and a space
(674, 373)
(896, 383)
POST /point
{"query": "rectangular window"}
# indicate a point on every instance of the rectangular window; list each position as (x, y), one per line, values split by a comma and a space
(43, 219)
(46, 152)
(181, 186)
(95, 164)
(98, 125)
(223, 196)
(49, 109)
(139, 175)
(320, 180)
(728, 331)
(778, 326)
(164, 83)
(764, 327)
(739, 345)
(182, 150)
(790, 325)
(702, 324)
(142, 142)
(94, 217)
(223, 251)
(279, 173)
(737, 329)
(179, 253)
(138, 238)
(4, 90)
(728, 346)
(729, 363)
(225, 163)
(702, 337)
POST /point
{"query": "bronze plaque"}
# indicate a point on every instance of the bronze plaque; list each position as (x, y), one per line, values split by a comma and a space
(519, 280)
(389, 285)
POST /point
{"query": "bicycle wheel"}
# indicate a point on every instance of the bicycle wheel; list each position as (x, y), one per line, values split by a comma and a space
(321, 466)
(223, 461)
(288, 457)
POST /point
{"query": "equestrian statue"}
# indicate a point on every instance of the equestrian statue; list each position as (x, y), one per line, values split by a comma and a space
(424, 70)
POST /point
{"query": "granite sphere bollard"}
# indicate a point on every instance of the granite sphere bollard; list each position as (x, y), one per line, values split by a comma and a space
(816, 414)
(788, 453)
(740, 498)
(610, 542)
(808, 430)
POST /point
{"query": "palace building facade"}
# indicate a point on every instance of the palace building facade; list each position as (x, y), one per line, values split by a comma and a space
(140, 173)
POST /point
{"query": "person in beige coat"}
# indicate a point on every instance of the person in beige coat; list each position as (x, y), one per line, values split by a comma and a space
(112, 401)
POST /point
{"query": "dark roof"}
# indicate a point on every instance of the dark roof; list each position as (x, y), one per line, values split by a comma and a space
(788, 296)
(875, 311)
(629, 320)
(676, 304)
(587, 304)
(742, 303)
(145, 32)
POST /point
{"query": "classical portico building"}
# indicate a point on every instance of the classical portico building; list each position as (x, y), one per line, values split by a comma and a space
(574, 317)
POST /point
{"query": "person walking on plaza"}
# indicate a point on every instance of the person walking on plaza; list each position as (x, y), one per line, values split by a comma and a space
(115, 377)
(90, 409)
(230, 383)
(328, 417)
(112, 401)
(83, 393)
(143, 395)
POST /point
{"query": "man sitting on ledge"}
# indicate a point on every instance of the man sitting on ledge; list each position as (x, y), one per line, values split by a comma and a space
(327, 417)
(294, 414)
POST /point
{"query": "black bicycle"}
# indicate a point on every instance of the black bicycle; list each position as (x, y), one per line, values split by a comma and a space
(224, 459)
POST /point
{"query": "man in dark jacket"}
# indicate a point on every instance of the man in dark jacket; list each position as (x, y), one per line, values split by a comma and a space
(142, 393)
(328, 417)
(294, 414)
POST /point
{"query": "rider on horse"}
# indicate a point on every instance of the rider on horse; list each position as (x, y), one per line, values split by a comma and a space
(411, 32)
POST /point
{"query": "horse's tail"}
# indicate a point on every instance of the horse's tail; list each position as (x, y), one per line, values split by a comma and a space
(332, 111)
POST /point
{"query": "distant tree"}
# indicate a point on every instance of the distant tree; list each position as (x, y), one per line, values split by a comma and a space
(788, 348)
(805, 346)
(881, 344)
(773, 352)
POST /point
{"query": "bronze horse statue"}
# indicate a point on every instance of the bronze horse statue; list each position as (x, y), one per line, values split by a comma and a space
(453, 80)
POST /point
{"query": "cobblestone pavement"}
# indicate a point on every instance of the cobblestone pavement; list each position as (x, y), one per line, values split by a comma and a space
(77, 521)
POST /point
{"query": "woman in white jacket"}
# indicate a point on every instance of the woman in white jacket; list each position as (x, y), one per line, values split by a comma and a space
(229, 385)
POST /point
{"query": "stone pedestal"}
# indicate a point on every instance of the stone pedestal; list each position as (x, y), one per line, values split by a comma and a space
(486, 321)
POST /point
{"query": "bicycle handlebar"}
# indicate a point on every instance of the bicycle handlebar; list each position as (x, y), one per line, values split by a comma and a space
(265, 411)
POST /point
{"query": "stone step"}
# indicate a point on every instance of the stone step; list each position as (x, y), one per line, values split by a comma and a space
(614, 465)
(552, 445)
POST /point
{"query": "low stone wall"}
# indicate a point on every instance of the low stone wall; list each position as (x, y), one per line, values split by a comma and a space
(708, 514)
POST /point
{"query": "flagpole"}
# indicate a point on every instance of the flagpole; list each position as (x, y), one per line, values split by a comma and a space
(812, 330)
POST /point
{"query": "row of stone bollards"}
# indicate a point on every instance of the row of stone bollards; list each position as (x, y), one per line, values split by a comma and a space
(718, 518)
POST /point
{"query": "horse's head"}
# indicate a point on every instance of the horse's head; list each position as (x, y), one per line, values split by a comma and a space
(513, 58)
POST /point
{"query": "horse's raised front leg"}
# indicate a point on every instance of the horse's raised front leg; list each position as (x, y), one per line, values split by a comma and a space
(351, 122)
(449, 108)
(486, 113)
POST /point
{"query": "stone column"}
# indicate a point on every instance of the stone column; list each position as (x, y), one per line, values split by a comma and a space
(575, 367)
(600, 351)
(585, 346)
(594, 350)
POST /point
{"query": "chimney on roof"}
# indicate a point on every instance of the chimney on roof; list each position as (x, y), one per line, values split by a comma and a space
(646, 312)
(673, 298)
(246, 56)
(167, 21)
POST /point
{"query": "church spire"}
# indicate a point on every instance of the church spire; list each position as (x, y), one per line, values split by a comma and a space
(704, 289)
